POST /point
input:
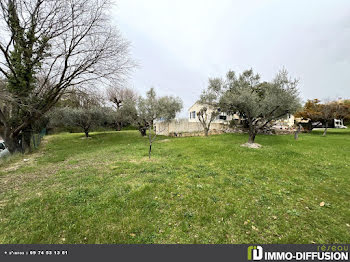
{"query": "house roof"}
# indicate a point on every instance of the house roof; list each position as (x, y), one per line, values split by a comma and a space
(192, 105)
(197, 103)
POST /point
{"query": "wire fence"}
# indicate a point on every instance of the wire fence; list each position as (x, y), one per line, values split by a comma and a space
(36, 138)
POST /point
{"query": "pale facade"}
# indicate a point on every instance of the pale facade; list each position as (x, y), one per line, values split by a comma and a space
(284, 123)
(339, 123)
(222, 118)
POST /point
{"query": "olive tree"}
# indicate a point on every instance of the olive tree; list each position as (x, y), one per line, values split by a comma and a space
(258, 103)
(48, 47)
(152, 108)
(80, 109)
(84, 118)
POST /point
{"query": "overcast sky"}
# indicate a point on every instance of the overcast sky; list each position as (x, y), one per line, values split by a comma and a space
(180, 44)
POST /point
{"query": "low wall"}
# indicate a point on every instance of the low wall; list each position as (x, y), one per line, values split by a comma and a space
(185, 128)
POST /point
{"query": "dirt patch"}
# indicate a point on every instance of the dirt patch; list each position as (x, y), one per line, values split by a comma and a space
(251, 145)
(29, 160)
(3, 203)
(13, 181)
(164, 141)
(190, 134)
(13, 167)
(144, 159)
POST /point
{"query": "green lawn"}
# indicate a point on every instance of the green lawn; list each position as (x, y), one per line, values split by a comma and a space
(193, 190)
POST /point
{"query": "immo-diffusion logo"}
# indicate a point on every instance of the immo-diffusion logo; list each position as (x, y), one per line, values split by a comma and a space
(332, 253)
(255, 252)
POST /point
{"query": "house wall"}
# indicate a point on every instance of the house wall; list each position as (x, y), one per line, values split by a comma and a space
(285, 122)
(197, 107)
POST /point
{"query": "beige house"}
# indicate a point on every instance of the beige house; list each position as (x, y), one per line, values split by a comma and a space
(222, 118)
(285, 123)
(191, 125)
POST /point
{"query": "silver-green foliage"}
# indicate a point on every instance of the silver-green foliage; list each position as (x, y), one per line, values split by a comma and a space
(258, 103)
(152, 108)
(84, 118)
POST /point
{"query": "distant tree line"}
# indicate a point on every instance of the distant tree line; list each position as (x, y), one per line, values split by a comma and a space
(89, 110)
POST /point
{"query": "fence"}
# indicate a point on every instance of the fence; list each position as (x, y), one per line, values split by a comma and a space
(36, 138)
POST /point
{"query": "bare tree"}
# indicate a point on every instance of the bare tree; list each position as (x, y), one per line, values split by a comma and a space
(118, 95)
(124, 101)
(48, 47)
(315, 111)
(327, 111)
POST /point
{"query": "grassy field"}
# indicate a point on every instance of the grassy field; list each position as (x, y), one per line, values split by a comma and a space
(193, 190)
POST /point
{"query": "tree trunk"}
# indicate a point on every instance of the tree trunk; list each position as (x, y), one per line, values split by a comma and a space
(150, 142)
(325, 130)
(86, 133)
(119, 126)
(26, 136)
(150, 150)
(251, 137)
(296, 134)
(310, 127)
(252, 134)
(13, 143)
(142, 130)
(206, 131)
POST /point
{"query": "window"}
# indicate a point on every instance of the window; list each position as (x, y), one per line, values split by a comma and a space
(222, 117)
(193, 114)
(2, 146)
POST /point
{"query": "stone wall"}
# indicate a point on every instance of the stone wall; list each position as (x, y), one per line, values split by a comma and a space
(185, 128)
